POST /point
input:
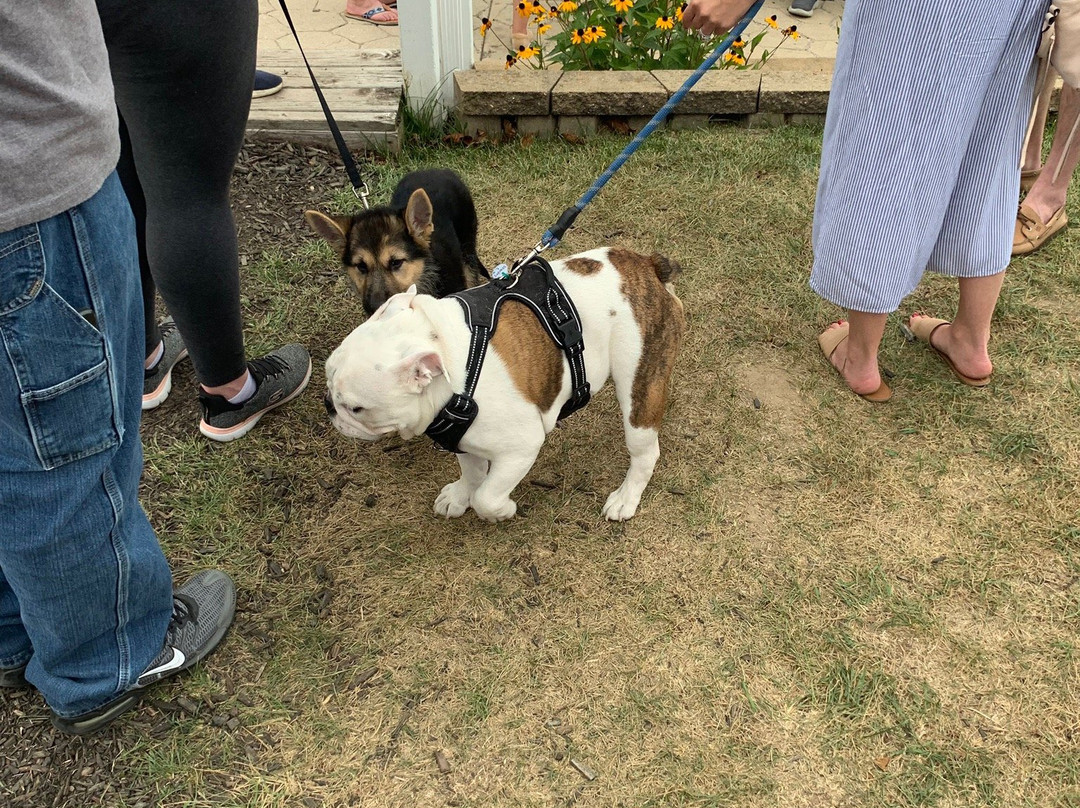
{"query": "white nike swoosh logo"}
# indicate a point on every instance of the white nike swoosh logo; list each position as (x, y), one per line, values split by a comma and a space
(176, 661)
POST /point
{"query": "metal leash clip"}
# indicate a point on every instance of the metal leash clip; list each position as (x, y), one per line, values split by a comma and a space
(362, 194)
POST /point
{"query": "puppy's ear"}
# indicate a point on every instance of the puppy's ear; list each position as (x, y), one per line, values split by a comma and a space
(393, 305)
(418, 216)
(333, 229)
(416, 372)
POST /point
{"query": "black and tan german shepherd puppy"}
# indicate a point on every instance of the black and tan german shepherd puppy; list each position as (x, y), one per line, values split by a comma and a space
(425, 236)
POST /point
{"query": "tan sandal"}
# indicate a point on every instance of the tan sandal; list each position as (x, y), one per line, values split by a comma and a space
(829, 341)
(923, 328)
(1031, 234)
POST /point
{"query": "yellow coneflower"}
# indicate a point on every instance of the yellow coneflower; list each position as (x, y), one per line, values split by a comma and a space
(679, 12)
(566, 6)
(729, 57)
(594, 34)
(791, 32)
(620, 23)
(524, 9)
(543, 29)
(578, 36)
(526, 52)
(485, 26)
(738, 44)
(553, 11)
(510, 59)
(771, 21)
(739, 59)
(666, 23)
(622, 5)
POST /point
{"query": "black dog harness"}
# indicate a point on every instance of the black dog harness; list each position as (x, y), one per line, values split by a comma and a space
(536, 286)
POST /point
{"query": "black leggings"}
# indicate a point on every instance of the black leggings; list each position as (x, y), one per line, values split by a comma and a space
(183, 74)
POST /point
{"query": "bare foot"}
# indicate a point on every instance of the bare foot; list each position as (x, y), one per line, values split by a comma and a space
(966, 351)
(861, 374)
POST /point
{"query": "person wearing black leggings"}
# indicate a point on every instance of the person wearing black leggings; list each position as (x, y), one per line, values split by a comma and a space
(183, 86)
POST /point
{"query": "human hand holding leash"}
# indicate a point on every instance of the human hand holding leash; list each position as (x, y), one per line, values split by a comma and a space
(714, 16)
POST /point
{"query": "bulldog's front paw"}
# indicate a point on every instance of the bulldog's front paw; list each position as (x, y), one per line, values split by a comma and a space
(494, 510)
(453, 500)
(621, 505)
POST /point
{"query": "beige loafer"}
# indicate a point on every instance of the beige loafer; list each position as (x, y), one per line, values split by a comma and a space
(1031, 234)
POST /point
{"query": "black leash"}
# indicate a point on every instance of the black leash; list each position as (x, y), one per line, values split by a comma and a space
(360, 187)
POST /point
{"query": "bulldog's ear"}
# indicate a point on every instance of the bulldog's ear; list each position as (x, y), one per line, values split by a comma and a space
(333, 229)
(418, 216)
(416, 372)
(395, 304)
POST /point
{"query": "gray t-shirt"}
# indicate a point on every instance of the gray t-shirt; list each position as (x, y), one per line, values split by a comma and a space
(59, 136)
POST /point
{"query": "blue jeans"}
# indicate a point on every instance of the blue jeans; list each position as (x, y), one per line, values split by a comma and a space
(85, 591)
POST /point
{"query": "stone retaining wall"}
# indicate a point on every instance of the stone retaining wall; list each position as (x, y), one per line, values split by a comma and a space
(549, 102)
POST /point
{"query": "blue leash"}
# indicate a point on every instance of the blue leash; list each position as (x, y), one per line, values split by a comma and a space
(554, 234)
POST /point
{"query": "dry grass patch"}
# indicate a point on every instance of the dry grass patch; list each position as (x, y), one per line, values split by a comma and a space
(821, 603)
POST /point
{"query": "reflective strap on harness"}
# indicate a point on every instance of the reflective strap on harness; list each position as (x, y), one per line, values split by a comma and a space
(541, 291)
(455, 418)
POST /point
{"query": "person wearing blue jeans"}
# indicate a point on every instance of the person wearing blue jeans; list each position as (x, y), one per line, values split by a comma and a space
(88, 614)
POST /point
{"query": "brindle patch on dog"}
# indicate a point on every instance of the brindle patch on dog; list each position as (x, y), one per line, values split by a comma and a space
(660, 317)
(533, 359)
(583, 266)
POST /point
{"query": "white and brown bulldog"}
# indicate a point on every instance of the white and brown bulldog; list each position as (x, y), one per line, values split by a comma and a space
(394, 373)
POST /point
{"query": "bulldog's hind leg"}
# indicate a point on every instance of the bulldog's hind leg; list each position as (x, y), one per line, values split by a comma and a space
(643, 444)
(454, 498)
(641, 386)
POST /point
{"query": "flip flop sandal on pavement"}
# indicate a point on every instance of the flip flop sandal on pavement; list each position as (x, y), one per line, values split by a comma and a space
(369, 16)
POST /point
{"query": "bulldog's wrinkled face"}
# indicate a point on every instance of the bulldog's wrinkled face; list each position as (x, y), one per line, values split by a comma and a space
(375, 378)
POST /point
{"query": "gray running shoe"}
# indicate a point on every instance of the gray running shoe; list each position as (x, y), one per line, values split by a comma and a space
(158, 381)
(280, 376)
(803, 8)
(203, 610)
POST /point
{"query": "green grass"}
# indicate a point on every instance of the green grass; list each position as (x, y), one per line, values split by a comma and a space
(820, 603)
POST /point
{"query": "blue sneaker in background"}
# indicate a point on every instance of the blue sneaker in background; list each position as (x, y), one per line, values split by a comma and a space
(266, 84)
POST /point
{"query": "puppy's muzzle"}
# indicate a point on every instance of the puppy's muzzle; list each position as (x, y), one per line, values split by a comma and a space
(328, 402)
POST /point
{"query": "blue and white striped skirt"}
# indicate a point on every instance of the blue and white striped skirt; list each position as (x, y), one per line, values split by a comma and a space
(920, 164)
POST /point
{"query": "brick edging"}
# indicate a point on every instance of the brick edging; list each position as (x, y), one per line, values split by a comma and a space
(542, 102)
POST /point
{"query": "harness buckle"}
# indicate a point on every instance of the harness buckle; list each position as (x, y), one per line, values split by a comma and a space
(572, 338)
(461, 408)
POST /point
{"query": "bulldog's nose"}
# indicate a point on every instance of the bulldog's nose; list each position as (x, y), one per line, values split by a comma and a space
(328, 402)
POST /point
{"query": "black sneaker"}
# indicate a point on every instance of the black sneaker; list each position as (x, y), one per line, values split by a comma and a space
(13, 677)
(158, 380)
(280, 376)
(203, 610)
